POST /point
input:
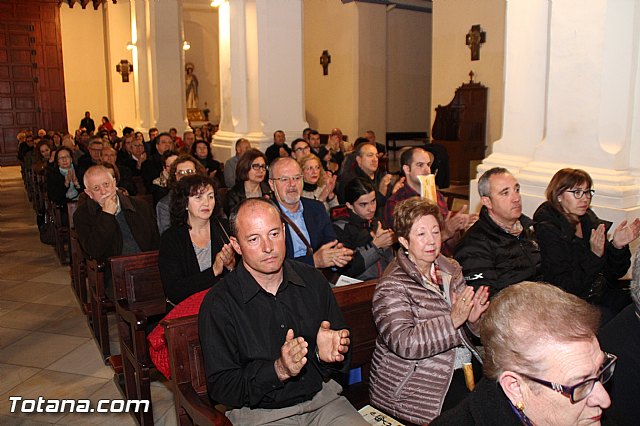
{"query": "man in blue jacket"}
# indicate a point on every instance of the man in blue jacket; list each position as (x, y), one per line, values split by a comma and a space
(310, 238)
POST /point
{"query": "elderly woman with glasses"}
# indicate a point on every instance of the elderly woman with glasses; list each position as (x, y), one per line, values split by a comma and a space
(542, 365)
(250, 173)
(576, 254)
(423, 310)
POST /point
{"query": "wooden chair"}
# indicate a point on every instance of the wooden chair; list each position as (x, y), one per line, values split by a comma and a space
(61, 225)
(354, 301)
(139, 297)
(188, 377)
(78, 262)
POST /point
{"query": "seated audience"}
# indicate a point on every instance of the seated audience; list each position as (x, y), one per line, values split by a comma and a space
(420, 307)
(367, 167)
(250, 173)
(183, 166)
(160, 187)
(542, 363)
(577, 256)
(62, 182)
(201, 151)
(416, 162)
(621, 336)
(500, 248)
(110, 223)
(299, 148)
(363, 233)
(309, 235)
(279, 148)
(43, 158)
(318, 184)
(333, 153)
(93, 158)
(272, 333)
(152, 166)
(195, 250)
(242, 146)
(125, 180)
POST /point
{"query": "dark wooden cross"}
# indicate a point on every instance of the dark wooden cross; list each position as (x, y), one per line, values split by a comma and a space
(475, 38)
(325, 60)
(124, 68)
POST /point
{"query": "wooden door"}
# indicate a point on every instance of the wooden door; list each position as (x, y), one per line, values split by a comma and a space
(31, 73)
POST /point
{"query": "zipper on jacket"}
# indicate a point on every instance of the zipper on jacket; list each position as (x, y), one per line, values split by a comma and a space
(406, 379)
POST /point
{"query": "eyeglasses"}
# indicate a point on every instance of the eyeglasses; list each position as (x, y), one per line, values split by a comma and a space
(186, 172)
(287, 179)
(257, 166)
(577, 393)
(301, 149)
(579, 193)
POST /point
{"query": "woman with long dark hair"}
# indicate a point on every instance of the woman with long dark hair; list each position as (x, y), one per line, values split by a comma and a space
(195, 251)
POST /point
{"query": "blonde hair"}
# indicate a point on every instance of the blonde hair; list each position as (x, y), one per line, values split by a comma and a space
(312, 157)
(523, 317)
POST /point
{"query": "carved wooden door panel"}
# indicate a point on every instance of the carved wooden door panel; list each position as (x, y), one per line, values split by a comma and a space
(31, 73)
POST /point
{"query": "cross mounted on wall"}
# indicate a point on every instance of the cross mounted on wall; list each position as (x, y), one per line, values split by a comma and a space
(474, 39)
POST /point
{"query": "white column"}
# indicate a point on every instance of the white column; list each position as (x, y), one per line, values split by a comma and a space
(261, 72)
(570, 99)
(142, 76)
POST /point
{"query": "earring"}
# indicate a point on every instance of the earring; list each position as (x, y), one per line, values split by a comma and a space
(520, 406)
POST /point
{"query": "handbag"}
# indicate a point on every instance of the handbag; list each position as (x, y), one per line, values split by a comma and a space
(48, 230)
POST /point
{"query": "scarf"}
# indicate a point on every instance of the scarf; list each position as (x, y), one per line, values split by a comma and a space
(72, 192)
(311, 187)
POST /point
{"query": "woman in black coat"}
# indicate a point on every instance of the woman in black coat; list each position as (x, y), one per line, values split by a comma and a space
(195, 250)
(201, 151)
(63, 183)
(250, 174)
(576, 254)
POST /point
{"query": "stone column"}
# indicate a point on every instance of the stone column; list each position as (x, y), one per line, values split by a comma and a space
(142, 76)
(571, 85)
(261, 74)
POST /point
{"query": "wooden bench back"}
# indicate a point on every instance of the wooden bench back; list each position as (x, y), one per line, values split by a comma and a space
(185, 353)
(136, 277)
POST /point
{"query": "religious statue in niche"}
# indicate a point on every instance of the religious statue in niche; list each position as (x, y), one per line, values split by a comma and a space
(191, 83)
(474, 39)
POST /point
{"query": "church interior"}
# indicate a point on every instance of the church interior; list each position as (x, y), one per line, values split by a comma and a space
(529, 86)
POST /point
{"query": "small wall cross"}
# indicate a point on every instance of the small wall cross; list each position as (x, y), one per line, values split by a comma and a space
(325, 60)
(475, 38)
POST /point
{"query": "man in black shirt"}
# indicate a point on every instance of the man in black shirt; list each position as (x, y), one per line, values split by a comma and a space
(266, 331)
(87, 123)
(279, 147)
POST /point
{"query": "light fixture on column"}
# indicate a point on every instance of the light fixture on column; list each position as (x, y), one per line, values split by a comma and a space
(130, 45)
(217, 3)
(186, 45)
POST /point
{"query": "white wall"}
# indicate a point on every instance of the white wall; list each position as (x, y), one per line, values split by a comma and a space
(452, 20)
(201, 30)
(84, 64)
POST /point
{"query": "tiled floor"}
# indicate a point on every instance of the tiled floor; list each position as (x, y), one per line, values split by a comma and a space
(46, 346)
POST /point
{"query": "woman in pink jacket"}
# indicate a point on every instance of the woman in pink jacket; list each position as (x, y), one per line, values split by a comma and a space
(423, 310)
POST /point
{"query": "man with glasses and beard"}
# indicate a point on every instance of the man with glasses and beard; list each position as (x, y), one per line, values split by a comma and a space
(310, 237)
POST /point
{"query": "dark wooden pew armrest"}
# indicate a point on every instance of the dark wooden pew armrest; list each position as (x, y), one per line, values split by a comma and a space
(200, 413)
(136, 319)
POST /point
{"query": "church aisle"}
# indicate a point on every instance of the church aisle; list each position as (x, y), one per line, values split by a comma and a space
(46, 346)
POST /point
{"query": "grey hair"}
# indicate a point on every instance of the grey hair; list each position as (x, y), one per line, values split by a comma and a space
(95, 170)
(274, 165)
(635, 281)
(484, 187)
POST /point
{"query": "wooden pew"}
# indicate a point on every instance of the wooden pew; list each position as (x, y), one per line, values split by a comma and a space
(58, 212)
(101, 305)
(187, 365)
(191, 399)
(139, 298)
(78, 263)
(355, 303)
